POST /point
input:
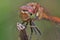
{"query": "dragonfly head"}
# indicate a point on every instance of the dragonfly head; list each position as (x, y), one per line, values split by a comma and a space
(31, 8)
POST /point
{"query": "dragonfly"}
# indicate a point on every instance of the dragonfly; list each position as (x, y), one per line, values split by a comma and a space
(34, 11)
(42, 14)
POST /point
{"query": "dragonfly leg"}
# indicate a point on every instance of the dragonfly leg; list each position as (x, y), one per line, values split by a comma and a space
(38, 30)
(32, 25)
(31, 33)
(35, 28)
(25, 24)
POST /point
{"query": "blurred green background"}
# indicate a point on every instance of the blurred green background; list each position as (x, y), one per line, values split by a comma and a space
(9, 14)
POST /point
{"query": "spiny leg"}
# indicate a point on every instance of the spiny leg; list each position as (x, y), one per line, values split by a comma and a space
(32, 25)
(32, 29)
(31, 33)
(38, 35)
(36, 30)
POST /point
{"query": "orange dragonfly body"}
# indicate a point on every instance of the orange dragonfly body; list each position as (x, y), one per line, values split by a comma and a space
(39, 11)
(51, 18)
(42, 14)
